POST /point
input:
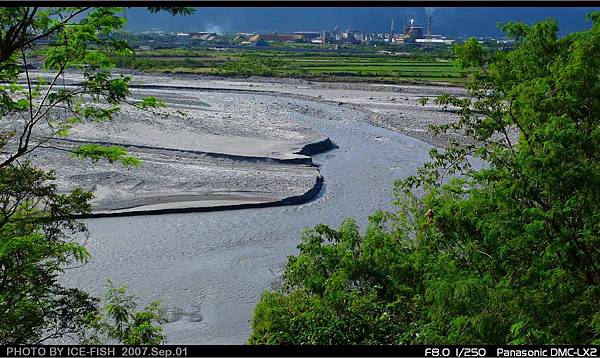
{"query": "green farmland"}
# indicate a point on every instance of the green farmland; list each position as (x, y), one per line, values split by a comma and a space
(369, 67)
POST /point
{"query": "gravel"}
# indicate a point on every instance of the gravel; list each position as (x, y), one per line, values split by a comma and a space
(230, 139)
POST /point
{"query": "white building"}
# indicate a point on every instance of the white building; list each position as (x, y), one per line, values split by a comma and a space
(435, 41)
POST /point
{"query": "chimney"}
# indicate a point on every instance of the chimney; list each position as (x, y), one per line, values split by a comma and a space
(429, 27)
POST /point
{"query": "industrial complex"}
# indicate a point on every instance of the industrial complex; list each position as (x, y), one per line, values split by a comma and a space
(412, 34)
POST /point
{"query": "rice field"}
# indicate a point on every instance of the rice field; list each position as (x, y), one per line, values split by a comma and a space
(326, 66)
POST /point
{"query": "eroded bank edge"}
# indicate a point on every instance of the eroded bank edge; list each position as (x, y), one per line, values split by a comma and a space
(318, 147)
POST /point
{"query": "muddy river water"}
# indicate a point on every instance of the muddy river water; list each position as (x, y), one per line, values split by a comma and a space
(209, 269)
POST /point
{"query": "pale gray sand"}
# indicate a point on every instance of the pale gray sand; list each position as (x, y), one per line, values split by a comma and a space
(190, 155)
(256, 119)
(394, 107)
(171, 177)
(214, 265)
(208, 269)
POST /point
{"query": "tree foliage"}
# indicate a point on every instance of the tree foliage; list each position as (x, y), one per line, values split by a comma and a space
(35, 248)
(80, 39)
(120, 320)
(39, 239)
(507, 254)
(343, 288)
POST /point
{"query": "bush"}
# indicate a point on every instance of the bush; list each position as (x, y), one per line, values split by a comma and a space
(341, 289)
(508, 254)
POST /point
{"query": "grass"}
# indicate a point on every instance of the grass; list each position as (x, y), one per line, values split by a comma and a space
(368, 67)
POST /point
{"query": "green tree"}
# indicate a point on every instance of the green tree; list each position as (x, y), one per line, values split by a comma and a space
(507, 254)
(121, 321)
(38, 237)
(35, 246)
(343, 288)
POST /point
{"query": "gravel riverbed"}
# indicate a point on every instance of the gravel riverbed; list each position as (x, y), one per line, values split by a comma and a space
(209, 268)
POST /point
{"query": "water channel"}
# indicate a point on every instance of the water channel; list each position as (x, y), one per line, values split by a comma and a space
(209, 269)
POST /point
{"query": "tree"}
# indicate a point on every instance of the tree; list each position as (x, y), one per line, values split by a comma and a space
(120, 321)
(343, 288)
(507, 254)
(35, 246)
(38, 237)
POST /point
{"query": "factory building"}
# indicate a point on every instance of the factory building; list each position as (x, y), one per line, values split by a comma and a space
(434, 41)
(286, 37)
(205, 36)
(346, 37)
(412, 32)
(182, 38)
(276, 37)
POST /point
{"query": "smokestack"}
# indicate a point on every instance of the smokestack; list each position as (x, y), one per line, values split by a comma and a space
(429, 27)
(391, 32)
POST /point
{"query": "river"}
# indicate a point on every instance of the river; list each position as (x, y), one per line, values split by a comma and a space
(209, 269)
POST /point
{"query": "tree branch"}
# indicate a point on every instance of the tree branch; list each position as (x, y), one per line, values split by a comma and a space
(28, 83)
(56, 27)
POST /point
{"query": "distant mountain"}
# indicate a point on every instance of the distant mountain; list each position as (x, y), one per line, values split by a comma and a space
(453, 21)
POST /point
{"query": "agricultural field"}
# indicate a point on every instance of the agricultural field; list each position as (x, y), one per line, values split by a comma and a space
(342, 66)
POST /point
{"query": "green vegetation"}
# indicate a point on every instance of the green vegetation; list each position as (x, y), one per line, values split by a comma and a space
(35, 247)
(362, 66)
(39, 240)
(121, 321)
(507, 254)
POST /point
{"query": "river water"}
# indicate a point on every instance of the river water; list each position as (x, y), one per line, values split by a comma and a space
(209, 269)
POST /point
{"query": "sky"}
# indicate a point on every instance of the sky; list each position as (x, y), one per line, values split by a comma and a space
(451, 21)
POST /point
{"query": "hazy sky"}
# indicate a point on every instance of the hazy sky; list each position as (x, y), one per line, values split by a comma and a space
(453, 21)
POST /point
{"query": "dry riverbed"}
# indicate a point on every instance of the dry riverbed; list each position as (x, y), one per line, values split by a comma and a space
(231, 143)
(237, 138)
(225, 143)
